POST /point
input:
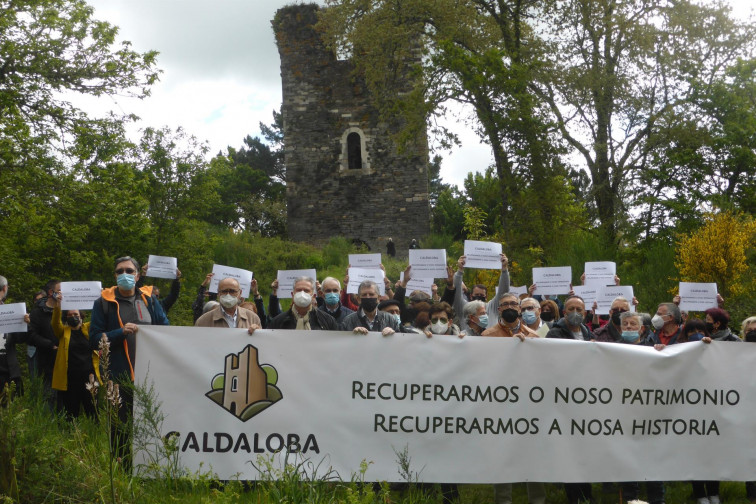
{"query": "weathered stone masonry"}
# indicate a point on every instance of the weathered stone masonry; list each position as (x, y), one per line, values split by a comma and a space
(327, 115)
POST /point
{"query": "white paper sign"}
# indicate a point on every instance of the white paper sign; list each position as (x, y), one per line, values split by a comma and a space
(697, 296)
(370, 261)
(286, 280)
(552, 281)
(162, 267)
(358, 275)
(418, 284)
(79, 295)
(600, 273)
(517, 291)
(427, 263)
(589, 294)
(244, 277)
(482, 255)
(609, 293)
(342, 399)
(12, 319)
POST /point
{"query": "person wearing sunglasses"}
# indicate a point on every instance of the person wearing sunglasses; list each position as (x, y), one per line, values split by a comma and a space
(116, 317)
(509, 322)
(611, 332)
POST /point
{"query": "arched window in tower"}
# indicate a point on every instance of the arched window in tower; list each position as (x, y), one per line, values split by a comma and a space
(354, 151)
(354, 158)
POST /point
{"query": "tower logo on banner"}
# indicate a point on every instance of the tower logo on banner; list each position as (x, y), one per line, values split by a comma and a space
(245, 387)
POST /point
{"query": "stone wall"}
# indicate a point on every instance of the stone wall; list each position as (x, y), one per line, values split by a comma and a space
(323, 101)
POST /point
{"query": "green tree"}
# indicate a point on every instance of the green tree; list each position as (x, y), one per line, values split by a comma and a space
(620, 71)
(49, 48)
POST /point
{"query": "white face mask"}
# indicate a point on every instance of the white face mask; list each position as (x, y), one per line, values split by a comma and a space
(228, 301)
(657, 321)
(439, 328)
(302, 299)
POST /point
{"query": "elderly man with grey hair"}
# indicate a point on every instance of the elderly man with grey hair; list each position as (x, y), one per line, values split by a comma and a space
(228, 313)
(304, 314)
(480, 292)
(331, 300)
(611, 332)
(475, 316)
(368, 317)
(668, 324)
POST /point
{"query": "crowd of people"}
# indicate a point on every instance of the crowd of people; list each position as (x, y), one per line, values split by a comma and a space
(63, 349)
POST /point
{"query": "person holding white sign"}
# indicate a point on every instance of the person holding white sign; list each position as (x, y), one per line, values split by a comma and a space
(228, 313)
(168, 301)
(304, 314)
(116, 317)
(75, 361)
(480, 292)
(368, 317)
(10, 370)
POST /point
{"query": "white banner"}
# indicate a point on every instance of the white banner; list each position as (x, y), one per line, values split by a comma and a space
(482, 255)
(697, 296)
(358, 275)
(12, 319)
(79, 295)
(244, 277)
(161, 266)
(538, 410)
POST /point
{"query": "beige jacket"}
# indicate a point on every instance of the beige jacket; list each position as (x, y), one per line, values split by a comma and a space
(214, 318)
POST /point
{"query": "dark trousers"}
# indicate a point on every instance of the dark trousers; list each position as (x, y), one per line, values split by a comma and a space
(705, 488)
(77, 396)
(578, 492)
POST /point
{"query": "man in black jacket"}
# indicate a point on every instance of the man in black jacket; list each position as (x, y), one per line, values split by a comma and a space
(304, 314)
(41, 335)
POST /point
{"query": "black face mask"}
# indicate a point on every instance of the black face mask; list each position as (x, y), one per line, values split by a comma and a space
(509, 315)
(750, 337)
(479, 297)
(547, 316)
(368, 304)
(73, 321)
(710, 327)
(616, 318)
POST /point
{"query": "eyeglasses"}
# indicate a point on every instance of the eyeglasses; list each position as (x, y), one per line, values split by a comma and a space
(513, 304)
(443, 320)
(228, 291)
(128, 271)
(528, 308)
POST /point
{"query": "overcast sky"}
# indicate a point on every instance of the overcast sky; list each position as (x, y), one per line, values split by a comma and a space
(221, 72)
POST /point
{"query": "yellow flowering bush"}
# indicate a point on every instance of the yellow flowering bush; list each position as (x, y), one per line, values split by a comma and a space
(717, 252)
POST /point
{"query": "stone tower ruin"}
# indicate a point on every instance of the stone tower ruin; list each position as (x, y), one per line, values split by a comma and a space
(345, 175)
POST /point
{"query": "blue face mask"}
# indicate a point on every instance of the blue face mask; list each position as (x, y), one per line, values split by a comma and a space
(529, 317)
(332, 298)
(630, 336)
(397, 317)
(483, 321)
(696, 336)
(126, 281)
